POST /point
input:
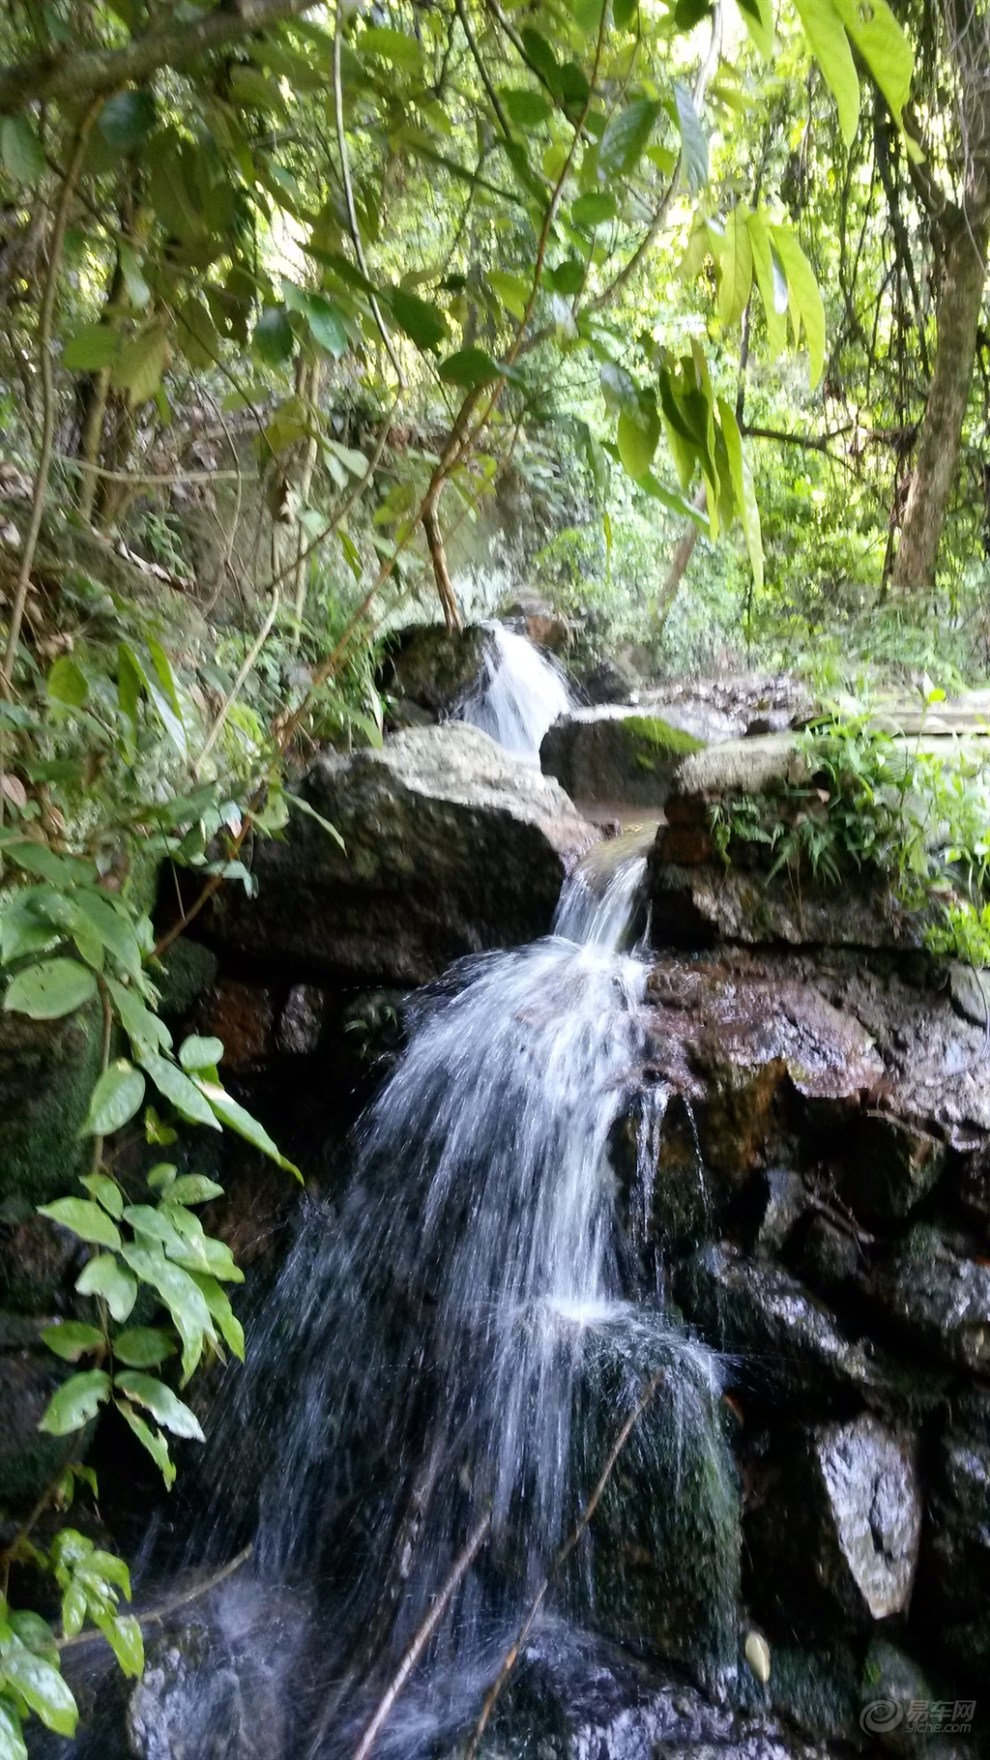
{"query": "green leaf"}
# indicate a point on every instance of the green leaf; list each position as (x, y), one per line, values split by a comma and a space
(84, 1218)
(197, 334)
(807, 310)
(469, 367)
(218, 1302)
(512, 290)
(172, 1414)
(76, 1402)
(92, 349)
(20, 150)
(41, 1686)
(50, 989)
(106, 1191)
(140, 364)
(237, 1119)
(273, 340)
(758, 19)
(391, 46)
(736, 277)
(138, 291)
(773, 296)
(12, 1744)
(105, 1276)
(71, 1339)
(694, 142)
(113, 925)
(884, 46)
(144, 1029)
(191, 1188)
(830, 46)
(182, 1297)
(526, 108)
(127, 119)
(196, 1053)
(177, 1087)
(324, 318)
(742, 486)
(421, 322)
(309, 811)
(626, 137)
(637, 435)
(123, 1633)
(593, 209)
(116, 1098)
(143, 1347)
(152, 1440)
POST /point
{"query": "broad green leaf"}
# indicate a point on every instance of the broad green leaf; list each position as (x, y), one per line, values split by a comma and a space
(237, 1119)
(774, 299)
(512, 290)
(71, 1339)
(637, 435)
(92, 349)
(807, 309)
(20, 150)
(422, 322)
(76, 1402)
(144, 1029)
(177, 1087)
(182, 1297)
(830, 46)
(468, 367)
(884, 46)
(49, 990)
(41, 1686)
(127, 119)
(736, 266)
(392, 46)
(197, 1053)
(619, 389)
(35, 1633)
(172, 1414)
(123, 1633)
(138, 291)
(694, 142)
(273, 340)
(626, 136)
(593, 209)
(191, 1188)
(758, 19)
(152, 1440)
(116, 1098)
(113, 925)
(143, 1347)
(218, 1302)
(526, 108)
(12, 1744)
(325, 320)
(105, 1276)
(196, 333)
(308, 810)
(140, 364)
(742, 486)
(86, 1219)
(106, 1191)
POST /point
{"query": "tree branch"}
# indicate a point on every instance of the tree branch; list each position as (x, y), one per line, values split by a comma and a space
(71, 75)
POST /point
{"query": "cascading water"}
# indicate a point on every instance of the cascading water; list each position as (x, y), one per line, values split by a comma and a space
(459, 1346)
(519, 696)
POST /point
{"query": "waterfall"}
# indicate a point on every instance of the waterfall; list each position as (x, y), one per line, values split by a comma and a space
(456, 1336)
(519, 696)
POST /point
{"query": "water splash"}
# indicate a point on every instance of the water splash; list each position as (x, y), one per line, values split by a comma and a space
(520, 695)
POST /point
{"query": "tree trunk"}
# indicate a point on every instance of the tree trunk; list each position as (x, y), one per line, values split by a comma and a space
(940, 439)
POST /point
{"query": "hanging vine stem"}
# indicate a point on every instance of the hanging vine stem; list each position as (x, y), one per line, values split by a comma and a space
(515, 1649)
(47, 445)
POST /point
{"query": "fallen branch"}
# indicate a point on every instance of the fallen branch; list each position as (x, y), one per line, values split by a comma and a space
(513, 1653)
(423, 1634)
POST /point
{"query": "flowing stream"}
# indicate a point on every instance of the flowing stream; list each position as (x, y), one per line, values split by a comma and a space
(519, 696)
(449, 1351)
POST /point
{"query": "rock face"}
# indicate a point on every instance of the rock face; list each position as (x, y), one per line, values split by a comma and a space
(430, 670)
(451, 846)
(616, 755)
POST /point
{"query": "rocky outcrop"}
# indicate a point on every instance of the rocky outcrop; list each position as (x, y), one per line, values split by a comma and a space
(429, 670)
(445, 845)
(622, 756)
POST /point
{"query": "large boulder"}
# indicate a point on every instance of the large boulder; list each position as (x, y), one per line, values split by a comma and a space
(430, 670)
(450, 845)
(616, 756)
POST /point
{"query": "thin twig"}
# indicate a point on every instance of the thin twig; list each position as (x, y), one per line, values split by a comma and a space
(461, 1565)
(513, 1653)
(155, 1615)
(46, 448)
(234, 691)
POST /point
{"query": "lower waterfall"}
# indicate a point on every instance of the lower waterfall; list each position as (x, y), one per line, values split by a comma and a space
(457, 1341)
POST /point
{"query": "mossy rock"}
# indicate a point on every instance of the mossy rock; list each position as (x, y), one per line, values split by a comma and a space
(47, 1073)
(616, 756)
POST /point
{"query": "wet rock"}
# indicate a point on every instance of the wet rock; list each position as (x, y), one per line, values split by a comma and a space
(188, 968)
(451, 845)
(35, 1259)
(756, 765)
(848, 1551)
(625, 756)
(47, 1072)
(433, 668)
(784, 1201)
(611, 679)
(894, 1166)
(791, 1346)
(891, 1678)
(539, 622)
(955, 1579)
(300, 1023)
(243, 1017)
(697, 903)
(29, 1375)
(934, 1300)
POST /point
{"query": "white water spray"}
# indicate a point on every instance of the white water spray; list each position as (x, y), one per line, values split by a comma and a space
(519, 696)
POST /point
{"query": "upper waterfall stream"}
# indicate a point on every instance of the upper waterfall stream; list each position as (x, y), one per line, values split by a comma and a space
(519, 695)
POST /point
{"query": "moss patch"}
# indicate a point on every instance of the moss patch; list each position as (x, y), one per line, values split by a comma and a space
(654, 741)
(47, 1072)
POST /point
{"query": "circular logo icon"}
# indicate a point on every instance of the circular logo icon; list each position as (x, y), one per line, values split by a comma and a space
(881, 1716)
